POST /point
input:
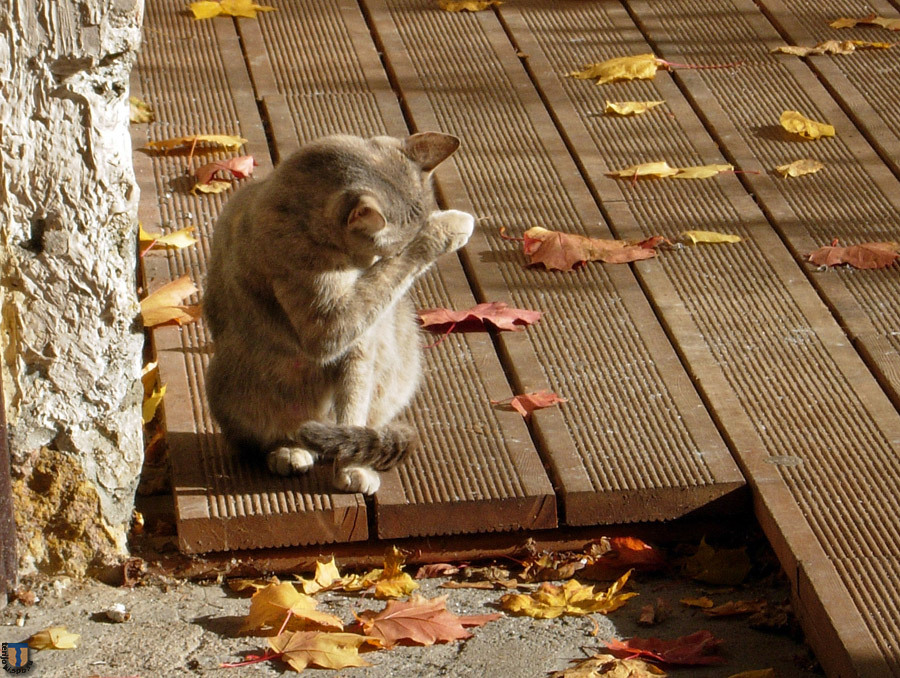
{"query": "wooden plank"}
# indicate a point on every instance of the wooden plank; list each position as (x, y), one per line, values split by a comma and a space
(634, 442)
(193, 74)
(478, 471)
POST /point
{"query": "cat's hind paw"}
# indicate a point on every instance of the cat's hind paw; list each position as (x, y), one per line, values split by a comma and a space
(290, 461)
(357, 479)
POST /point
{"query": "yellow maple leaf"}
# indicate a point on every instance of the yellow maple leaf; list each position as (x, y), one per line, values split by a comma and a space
(609, 666)
(54, 638)
(630, 107)
(271, 606)
(551, 601)
(467, 5)
(796, 123)
(326, 577)
(832, 47)
(872, 20)
(214, 186)
(325, 650)
(207, 9)
(139, 111)
(240, 585)
(640, 67)
(394, 582)
(653, 169)
(164, 305)
(799, 167)
(178, 239)
(709, 237)
(198, 143)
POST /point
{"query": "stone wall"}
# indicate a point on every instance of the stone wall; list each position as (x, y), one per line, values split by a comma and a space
(71, 340)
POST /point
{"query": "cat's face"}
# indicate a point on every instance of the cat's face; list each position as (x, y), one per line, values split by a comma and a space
(374, 194)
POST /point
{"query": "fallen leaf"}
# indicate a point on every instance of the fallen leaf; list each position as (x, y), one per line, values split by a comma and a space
(734, 608)
(630, 107)
(691, 650)
(640, 67)
(832, 47)
(207, 9)
(796, 123)
(703, 602)
(526, 403)
(563, 251)
(241, 585)
(151, 403)
(551, 566)
(647, 169)
(709, 237)
(198, 143)
(214, 186)
(481, 585)
(610, 556)
(432, 570)
(54, 638)
(551, 601)
(760, 673)
(871, 20)
(271, 606)
(701, 171)
(361, 582)
(163, 305)
(654, 613)
(178, 239)
(722, 567)
(239, 167)
(799, 167)
(393, 581)
(467, 5)
(496, 313)
(419, 621)
(864, 256)
(326, 577)
(663, 169)
(300, 649)
(139, 111)
(608, 666)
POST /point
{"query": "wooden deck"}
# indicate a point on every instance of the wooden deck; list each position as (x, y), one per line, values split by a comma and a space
(690, 377)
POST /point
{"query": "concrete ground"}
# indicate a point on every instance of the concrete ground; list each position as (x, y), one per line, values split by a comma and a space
(181, 628)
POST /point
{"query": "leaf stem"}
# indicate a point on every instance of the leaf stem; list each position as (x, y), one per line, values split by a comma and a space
(252, 659)
(443, 336)
(284, 625)
(509, 237)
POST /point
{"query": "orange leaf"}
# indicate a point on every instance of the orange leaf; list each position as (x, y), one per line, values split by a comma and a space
(163, 305)
(564, 251)
(432, 570)
(496, 313)
(694, 649)
(239, 167)
(871, 20)
(419, 621)
(865, 255)
(526, 403)
(736, 607)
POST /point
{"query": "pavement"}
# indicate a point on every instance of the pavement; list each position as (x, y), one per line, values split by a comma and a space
(184, 628)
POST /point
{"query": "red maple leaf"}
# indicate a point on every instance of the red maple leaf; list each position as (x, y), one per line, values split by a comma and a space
(694, 649)
(864, 255)
(496, 313)
(526, 403)
(233, 168)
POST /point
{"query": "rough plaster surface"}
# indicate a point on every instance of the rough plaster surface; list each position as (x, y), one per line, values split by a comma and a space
(68, 201)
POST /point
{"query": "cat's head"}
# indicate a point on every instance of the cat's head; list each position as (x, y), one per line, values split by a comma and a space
(371, 196)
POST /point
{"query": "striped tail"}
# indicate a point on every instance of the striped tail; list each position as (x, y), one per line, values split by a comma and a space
(381, 449)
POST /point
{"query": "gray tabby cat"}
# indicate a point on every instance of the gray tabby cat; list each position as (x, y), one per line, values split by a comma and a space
(316, 344)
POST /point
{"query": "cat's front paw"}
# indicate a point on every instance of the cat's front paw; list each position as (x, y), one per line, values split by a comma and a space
(357, 479)
(290, 461)
(455, 226)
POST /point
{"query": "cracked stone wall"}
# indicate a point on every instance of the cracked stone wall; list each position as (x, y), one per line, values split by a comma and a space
(69, 327)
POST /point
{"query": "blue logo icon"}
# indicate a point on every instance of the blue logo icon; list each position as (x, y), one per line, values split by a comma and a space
(16, 658)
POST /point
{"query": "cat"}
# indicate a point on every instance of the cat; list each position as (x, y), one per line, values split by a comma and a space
(316, 346)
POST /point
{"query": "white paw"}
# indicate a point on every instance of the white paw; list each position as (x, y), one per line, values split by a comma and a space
(289, 461)
(357, 479)
(456, 224)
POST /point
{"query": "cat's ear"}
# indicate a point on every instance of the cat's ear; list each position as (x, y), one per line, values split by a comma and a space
(430, 149)
(366, 215)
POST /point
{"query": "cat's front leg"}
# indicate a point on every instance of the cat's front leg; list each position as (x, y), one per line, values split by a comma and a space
(446, 231)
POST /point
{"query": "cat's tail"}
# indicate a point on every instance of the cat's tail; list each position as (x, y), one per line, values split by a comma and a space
(381, 449)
